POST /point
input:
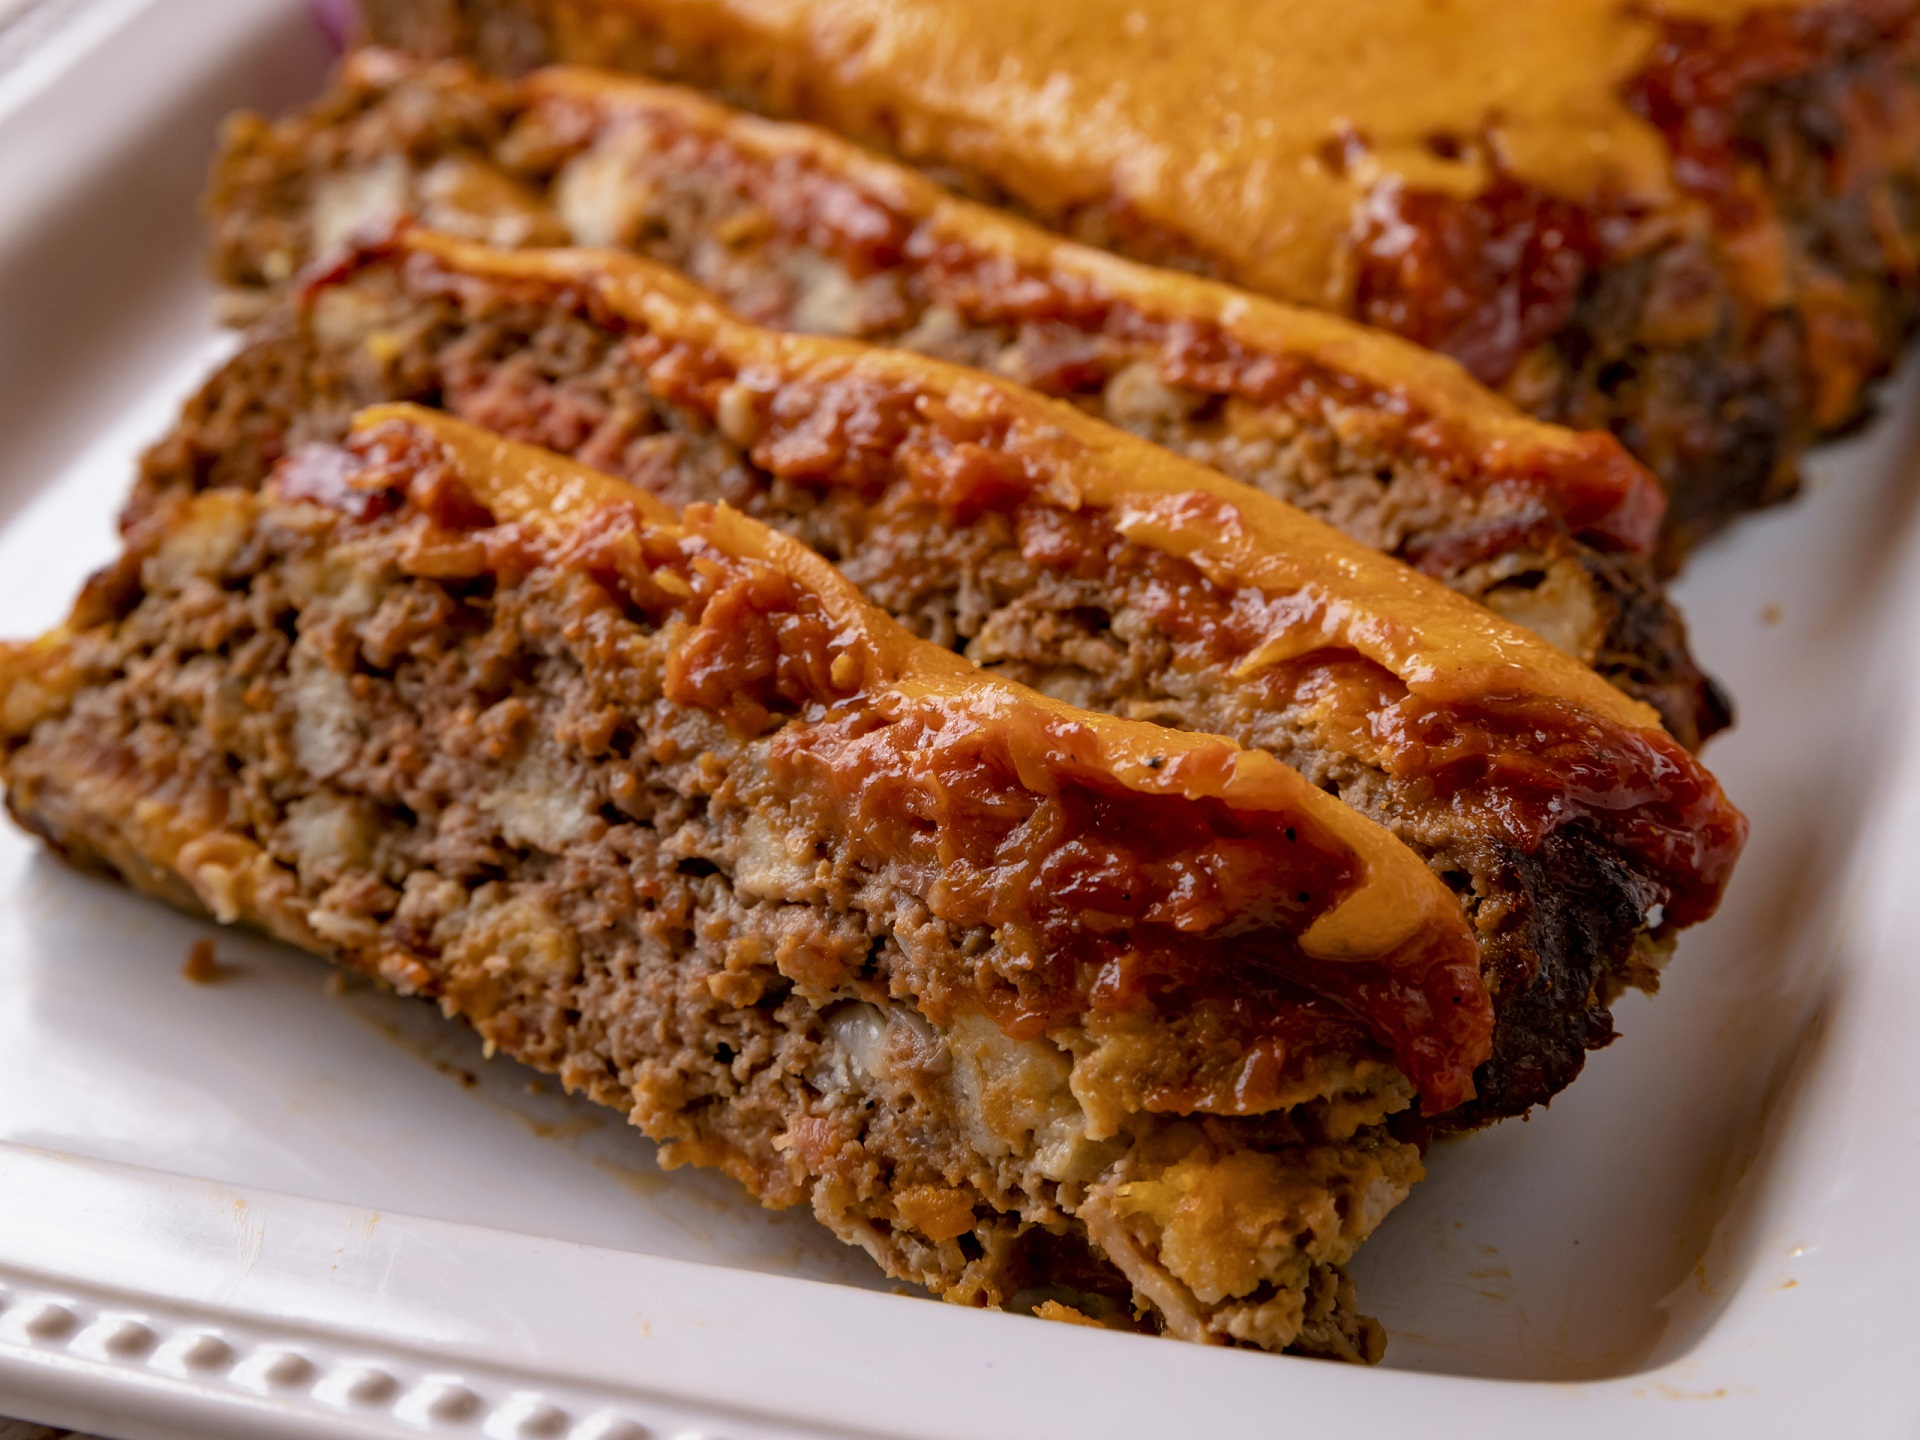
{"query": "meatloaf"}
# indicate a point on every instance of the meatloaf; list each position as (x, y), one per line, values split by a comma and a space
(798, 230)
(1690, 221)
(1026, 1002)
(1107, 572)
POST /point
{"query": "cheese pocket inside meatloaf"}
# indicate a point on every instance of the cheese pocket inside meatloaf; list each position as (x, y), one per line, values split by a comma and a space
(1692, 222)
(1576, 835)
(1033, 1005)
(798, 230)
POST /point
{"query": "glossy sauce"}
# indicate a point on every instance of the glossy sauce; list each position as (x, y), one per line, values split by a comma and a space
(1700, 76)
(1487, 276)
(1249, 130)
(1483, 278)
(1450, 168)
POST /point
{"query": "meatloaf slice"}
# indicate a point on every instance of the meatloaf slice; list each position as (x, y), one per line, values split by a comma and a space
(1024, 1001)
(1692, 221)
(796, 229)
(1578, 836)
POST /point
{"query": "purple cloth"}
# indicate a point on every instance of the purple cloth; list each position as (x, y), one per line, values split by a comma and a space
(335, 19)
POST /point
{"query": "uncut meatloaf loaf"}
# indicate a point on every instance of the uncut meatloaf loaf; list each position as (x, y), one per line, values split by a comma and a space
(1019, 998)
(798, 230)
(1066, 554)
(1693, 222)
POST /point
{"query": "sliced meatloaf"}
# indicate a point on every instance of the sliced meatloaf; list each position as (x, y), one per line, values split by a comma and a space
(798, 230)
(1033, 1005)
(1691, 221)
(1104, 571)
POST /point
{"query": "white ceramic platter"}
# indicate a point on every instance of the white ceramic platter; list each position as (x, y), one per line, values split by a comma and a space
(261, 1209)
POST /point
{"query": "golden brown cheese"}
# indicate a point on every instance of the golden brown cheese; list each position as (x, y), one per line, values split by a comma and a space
(1256, 127)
